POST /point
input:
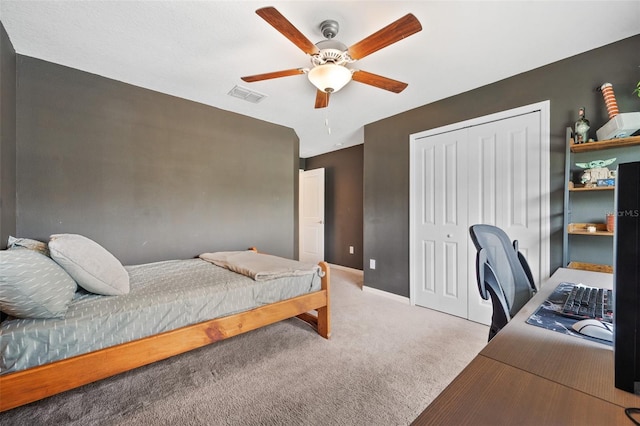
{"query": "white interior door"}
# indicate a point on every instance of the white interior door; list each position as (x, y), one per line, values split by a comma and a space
(440, 228)
(311, 216)
(491, 172)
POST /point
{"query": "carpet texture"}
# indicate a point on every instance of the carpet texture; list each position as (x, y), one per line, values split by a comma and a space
(383, 365)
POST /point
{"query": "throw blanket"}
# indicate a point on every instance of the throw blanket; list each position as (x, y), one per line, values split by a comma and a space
(260, 267)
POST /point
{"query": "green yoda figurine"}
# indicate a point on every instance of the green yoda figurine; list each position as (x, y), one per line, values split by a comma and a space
(595, 170)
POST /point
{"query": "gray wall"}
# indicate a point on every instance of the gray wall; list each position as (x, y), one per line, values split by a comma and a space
(343, 204)
(7, 138)
(568, 84)
(148, 175)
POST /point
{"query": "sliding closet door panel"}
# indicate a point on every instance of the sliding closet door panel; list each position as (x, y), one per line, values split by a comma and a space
(522, 221)
(484, 207)
(506, 189)
(440, 227)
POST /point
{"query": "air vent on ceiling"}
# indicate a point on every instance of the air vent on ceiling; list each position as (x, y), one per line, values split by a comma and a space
(246, 94)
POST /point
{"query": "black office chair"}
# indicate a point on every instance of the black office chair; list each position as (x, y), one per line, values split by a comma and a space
(502, 273)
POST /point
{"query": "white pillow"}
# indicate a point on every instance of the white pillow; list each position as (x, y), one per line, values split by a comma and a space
(91, 265)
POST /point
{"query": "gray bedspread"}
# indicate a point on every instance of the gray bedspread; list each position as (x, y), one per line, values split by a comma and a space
(164, 296)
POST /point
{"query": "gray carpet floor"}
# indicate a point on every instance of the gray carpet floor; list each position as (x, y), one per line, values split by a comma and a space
(383, 365)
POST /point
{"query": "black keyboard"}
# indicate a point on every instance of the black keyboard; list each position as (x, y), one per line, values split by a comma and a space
(585, 302)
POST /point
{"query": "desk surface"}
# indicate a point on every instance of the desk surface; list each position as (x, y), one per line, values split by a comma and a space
(528, 374)
(488, 392)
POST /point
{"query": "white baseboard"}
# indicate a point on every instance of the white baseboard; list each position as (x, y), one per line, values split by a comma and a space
(345, 268)
(386, 294)
(372, 290)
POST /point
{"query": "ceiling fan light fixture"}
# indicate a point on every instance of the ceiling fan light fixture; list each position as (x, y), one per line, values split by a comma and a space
(329, 77)
(329, 57)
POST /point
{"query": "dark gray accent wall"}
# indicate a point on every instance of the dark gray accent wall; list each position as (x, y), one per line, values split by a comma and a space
(568, 84)
(343, 204)
(7, 138)
(147, 175)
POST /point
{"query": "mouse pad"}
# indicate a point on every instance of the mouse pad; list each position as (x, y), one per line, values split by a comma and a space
(549, 316)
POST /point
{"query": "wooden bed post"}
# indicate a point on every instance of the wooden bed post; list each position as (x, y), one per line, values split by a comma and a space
(321, 321)
(324, 313)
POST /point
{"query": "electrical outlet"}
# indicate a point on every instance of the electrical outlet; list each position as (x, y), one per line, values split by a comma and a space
(372, 264)
(350, 249)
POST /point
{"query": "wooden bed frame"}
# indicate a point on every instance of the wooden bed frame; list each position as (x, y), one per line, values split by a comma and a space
(23, 387)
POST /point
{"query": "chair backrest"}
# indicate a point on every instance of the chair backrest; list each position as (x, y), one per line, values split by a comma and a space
(498, 257)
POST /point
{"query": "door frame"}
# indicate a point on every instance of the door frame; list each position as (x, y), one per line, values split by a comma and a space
(544, 108)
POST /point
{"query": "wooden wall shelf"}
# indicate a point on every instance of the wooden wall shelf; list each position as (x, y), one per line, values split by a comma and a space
(591, 267)
(581, 229)
(611, 143)
(595, 188)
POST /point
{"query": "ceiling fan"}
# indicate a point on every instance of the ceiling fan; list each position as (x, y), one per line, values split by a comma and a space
(329, 57)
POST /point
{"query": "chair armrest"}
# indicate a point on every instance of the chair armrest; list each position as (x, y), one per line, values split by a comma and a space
(481, 260)
(525, 266)
(527, 271)
(491, 280)
(486, 276)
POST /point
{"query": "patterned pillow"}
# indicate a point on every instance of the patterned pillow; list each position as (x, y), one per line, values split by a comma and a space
(36, 245)
(33, 286)
(91, 265)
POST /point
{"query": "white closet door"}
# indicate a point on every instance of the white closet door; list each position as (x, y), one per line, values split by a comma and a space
(441, 222)
(505, 191)
(487, 173)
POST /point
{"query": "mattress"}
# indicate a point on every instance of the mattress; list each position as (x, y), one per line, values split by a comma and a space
(164, 296)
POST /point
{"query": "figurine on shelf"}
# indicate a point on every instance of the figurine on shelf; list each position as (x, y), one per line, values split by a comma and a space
(595, 170)
(582, 127)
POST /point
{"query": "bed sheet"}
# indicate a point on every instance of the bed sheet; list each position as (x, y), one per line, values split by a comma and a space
(164, 296)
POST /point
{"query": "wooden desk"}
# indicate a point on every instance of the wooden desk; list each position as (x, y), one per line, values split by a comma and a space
(488, 392)
(530, 375)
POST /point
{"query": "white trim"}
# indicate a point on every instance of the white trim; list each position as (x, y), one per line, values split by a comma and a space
(545, 202)
(386, 294)
(412, 219)
(539, 106)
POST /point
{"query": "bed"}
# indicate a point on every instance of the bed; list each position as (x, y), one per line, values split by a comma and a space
(171, 307)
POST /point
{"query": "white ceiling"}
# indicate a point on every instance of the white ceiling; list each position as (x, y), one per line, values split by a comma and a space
(198, 50)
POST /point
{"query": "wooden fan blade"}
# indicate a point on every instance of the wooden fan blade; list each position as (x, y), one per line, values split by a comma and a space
(269, 75)
(385, 83)
(322, 99)
(396, 31)
(286, 28)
